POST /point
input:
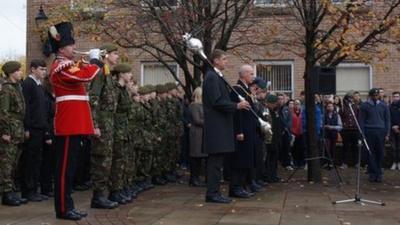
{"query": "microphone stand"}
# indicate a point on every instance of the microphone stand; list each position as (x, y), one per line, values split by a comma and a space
(357, 197)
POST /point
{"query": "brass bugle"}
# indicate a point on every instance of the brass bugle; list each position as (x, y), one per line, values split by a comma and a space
(85, 53)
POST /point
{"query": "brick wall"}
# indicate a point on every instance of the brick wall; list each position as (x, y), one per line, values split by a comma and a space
(388, 79)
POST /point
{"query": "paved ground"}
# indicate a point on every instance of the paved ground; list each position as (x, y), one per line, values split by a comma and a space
(293, 203)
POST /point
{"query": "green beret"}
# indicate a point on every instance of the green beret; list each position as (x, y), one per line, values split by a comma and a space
(151, 88)
(271, 98)
(143, 90)
(170, 86)
(11, 67)
(160, 88)
(121, 68)
(109, 47)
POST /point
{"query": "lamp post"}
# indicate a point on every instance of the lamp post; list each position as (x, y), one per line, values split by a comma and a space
(41, 16)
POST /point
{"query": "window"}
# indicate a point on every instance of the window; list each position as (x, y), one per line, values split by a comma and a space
(161, 3)
(279, 73)
(366, 2)
(271, 3)
(353, 77)
(165, 4)
(156, 73)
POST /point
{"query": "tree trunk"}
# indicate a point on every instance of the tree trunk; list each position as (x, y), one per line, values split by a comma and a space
(314, 169)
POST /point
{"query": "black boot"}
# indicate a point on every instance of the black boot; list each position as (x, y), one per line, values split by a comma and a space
(127, 195)
(69, 215)
(148, 185)
(136, 190)
(170, 178)
(195, 182)
(116, 196)
(80, 212)
(9, 199)
(254, 187)
(20, 199)
(99, 201)
(157, 180)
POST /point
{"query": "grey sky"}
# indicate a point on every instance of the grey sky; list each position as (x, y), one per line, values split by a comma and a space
(13, 28)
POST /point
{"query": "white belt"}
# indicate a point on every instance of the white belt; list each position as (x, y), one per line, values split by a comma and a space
(72, 98)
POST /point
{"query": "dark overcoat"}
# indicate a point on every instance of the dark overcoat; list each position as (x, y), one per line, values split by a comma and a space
(218, 115)
(245, 122)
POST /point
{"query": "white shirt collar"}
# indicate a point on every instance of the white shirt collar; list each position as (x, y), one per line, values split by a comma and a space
(37, 81)
(247, 86)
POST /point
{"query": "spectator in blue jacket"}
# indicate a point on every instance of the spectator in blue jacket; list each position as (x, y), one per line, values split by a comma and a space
(374, 119)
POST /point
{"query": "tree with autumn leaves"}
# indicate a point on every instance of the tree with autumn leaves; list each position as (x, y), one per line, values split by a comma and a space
(326, 33)
(322, 32)
(155, 28)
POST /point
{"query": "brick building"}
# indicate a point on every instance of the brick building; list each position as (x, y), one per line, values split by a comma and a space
(285, 69)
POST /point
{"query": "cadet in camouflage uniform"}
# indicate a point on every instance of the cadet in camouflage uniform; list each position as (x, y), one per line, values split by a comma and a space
(259, 89)
(134, 133)
(12, 112)
(123, 75)
(176, 114)
(160, 151)
(274, 141)
(145, 140)
(103, 103)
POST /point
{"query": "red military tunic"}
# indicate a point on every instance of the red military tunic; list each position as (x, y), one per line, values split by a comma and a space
(73, 114)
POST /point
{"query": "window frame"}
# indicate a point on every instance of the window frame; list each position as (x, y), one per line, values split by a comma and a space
(358, 65)
(142, 64)
(279, 63)
(270, 5)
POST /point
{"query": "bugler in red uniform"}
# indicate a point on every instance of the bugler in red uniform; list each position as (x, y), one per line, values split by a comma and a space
(73, 118)
(73, 114)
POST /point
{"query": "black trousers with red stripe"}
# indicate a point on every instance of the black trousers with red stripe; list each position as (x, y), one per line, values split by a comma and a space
(67, 149)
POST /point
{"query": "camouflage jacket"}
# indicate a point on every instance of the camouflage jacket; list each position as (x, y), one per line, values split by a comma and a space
(12, 111)
(121, 117)
(146, 136)
(178, 116)
(263, 112)
(103, 98)
(134, 118)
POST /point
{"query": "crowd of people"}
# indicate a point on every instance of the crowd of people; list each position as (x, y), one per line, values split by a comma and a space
(119, 139)
(137, 144)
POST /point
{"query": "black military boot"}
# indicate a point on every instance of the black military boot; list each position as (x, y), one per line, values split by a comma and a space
(20, 199)
(195, 182)
(127, 195)
(148, 185)
(136, 190)
(9, 199)
(116, 196)
(157, 180)
(99, 201)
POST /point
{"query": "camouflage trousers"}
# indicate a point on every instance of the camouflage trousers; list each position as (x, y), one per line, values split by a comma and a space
(145, 160)
(158, 164)
(100, 159)
(8, 162)
(119, 161)
(172, 154)
(131, 165)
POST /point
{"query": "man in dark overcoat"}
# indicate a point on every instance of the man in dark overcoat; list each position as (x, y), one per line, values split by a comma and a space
(218, 124)
(245, 125)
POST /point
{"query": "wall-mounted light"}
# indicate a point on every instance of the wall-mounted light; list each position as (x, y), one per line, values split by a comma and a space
(41, 16)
